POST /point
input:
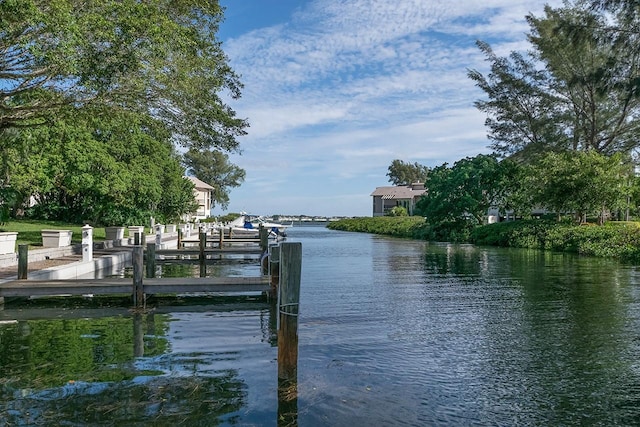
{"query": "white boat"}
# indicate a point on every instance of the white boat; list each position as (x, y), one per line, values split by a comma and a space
(247, 226)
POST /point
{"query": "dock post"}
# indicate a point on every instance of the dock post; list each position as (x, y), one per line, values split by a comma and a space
(288, 309)
(179, 238)
(136, 238)
(264, 238)
(203, 245)
(23, 261)
(221, 239)
(274, 267)
(151, 260)
(138, 291)
(87, 243)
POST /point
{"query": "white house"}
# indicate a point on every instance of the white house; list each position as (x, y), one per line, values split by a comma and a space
(202, 194)
(386, 198)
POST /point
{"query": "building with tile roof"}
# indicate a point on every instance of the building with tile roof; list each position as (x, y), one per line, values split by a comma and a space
(386, 198)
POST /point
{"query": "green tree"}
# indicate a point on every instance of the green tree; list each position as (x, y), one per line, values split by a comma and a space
(582, 184)
(110, 168)
(463, 193)
(160, 57)
(214, 168)
(573, 91)
(401, 173)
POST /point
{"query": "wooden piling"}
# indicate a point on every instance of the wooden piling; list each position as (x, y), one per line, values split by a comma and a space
(137, 238)
(203, 245)
(274, 269)
(151, 260)
(221, 239)
(264, 238)
(23, 261)
(179, 239)
(138, 291)
(290, 271)
(288, 303)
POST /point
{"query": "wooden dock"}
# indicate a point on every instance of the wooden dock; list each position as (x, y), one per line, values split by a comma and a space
(139, 286)
(27, 288)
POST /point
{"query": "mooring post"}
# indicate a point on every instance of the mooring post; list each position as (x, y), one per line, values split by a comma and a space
(179, 238)
(274, 267)
(138, 291)
(264, 238)
(221, 239)
(288, 309)
(151, 260)
(23, 261)
(203, 245)
(137, 238)
(288, 302)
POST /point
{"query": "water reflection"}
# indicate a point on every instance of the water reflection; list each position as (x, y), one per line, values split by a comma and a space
(414, 333)
(176, 365)
(558, 323)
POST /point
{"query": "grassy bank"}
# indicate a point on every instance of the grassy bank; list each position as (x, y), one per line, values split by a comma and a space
(615, 239)
(29, 231)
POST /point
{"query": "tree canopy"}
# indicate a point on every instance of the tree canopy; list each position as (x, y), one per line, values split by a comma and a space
(583, 183)
(401, 173)
(573, 91)
(88, 166)
(159, 57)
(464, 192)
(97, 95)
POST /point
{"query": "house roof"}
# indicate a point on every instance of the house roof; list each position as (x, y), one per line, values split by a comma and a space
(200, 185)
(399, 192)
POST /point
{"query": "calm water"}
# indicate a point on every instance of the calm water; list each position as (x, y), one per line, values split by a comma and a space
(392, 332)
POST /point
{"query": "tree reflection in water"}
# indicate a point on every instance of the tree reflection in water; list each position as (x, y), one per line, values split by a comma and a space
(111, 371)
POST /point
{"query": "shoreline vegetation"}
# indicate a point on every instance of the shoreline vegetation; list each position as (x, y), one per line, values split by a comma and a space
(614, 239)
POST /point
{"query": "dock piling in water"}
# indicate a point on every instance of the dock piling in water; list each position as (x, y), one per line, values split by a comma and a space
(203, 245)
(290, 272)
(138, 291)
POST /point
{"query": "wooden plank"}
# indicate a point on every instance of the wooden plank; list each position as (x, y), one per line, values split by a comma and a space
(207, 284)
(66, 287)
(124, 286)
(237, 250)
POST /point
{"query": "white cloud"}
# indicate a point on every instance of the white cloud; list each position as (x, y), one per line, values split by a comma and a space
(346, 86)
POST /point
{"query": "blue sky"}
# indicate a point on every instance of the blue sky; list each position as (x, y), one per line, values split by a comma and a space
(335, 90)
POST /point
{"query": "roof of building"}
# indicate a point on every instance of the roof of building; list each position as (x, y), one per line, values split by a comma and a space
(200, 185)
(399, 192)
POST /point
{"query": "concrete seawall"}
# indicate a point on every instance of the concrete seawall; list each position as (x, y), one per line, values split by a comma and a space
(110, 257)
(105, 265)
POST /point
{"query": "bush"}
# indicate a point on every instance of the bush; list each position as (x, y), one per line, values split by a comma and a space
(615, 239)
(399, 226)
(618, 240)
(398, 211)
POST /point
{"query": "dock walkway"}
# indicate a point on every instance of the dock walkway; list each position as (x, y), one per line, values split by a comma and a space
(44, 276)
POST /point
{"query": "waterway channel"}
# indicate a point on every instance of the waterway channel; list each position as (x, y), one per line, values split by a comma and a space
(391, 332)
